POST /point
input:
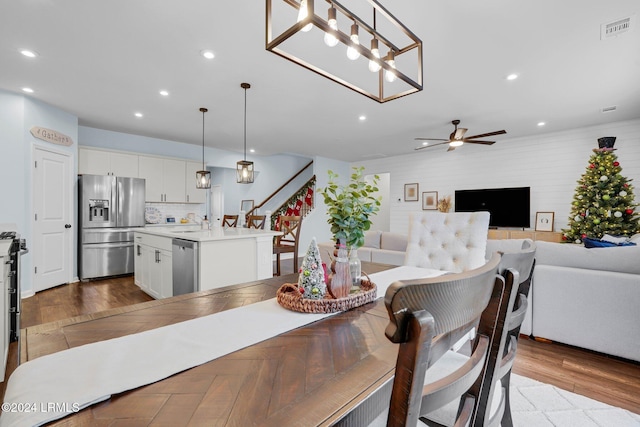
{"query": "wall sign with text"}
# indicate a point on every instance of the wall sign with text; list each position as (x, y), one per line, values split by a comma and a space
(51, 136)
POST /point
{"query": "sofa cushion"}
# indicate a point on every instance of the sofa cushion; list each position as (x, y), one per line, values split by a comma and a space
(453, 242)
(372, 239)
(393, 241)
(623, 259)
(384, 256)
(506, 245)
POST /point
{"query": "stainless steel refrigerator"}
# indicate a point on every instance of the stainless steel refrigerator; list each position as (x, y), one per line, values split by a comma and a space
(110, 210)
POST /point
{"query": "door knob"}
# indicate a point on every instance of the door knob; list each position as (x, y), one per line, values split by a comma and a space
(67, 226)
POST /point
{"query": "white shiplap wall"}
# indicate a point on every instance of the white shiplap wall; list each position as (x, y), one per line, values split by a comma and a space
(549, 163)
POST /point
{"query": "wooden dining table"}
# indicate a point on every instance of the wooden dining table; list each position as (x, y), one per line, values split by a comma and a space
(336, 371)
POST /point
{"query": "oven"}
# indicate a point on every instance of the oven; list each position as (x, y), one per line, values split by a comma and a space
(16, 250)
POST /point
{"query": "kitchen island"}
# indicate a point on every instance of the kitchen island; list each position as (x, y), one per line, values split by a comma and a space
(221, 257)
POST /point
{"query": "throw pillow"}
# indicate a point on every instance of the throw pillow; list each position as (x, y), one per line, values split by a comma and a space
(597, 243)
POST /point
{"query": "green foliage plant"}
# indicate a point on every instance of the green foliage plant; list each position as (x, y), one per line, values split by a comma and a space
(351, 206)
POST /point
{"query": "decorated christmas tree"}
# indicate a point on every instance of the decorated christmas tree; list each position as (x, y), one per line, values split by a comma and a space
(603, 202)
(311, 282)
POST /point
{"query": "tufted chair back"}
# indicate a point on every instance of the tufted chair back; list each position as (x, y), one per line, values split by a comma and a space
(454, 242)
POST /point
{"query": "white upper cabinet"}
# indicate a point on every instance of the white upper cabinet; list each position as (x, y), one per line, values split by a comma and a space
(194, 195)
(99, 162)
(165, 179)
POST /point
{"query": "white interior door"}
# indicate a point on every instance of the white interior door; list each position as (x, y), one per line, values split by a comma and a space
(53, 205)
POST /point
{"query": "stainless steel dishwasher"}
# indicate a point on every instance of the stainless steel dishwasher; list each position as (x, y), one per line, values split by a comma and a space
(185, 266)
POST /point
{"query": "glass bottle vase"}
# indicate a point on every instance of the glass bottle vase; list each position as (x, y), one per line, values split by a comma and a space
(355, 267)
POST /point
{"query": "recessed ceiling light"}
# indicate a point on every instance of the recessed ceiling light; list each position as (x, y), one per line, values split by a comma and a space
(27, 89)
(138, 115)
(207, 54)
(252, 150)
(540, 124)
(362, 118)
(164, 93)
(424, 144)
(512, 76)
(29, 53)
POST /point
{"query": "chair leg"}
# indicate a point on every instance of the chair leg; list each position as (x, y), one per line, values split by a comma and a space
(506, 416)
(278, 264)
(295, 262)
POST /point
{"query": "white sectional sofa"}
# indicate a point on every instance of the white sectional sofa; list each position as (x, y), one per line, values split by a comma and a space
(379, 246)
(589, 298)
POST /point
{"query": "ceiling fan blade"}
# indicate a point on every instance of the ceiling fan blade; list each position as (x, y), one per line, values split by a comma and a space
(498, 132)
(459, 133)
(431, 145)
(430, 139)
(480, 142)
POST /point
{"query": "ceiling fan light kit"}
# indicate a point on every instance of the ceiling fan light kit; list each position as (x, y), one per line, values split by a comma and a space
(457, 138)
(393, 68)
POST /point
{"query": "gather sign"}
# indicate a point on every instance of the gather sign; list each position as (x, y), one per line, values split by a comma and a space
(51, 136)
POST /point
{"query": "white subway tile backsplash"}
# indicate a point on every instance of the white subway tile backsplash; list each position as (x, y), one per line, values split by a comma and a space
(178, 210)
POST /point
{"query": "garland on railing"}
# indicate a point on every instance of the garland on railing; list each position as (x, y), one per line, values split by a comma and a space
(300, 203)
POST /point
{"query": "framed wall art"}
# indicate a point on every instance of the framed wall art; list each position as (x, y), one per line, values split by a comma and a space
(544, 221)
(411, 192)
(429, 200)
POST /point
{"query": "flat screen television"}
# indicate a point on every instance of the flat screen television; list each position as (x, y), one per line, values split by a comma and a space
(509, 207)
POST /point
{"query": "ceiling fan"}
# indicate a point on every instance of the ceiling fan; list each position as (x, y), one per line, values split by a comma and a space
(457, 138)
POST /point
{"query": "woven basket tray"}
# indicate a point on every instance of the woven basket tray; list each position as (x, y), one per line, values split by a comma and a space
(289, 297)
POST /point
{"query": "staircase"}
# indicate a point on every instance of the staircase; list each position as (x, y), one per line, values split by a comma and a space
(301, 201)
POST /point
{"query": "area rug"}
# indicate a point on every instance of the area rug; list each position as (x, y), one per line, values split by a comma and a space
(535, 404)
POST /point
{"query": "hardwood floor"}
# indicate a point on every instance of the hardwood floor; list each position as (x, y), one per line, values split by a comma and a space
(607, 379)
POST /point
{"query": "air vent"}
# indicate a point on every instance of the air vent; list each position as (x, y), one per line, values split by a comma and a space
(609, 109)
(612, 29)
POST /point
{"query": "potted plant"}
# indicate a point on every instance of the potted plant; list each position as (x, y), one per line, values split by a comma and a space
(349, 208)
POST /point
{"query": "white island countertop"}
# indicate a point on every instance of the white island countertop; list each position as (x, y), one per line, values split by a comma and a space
(216, 233)
(225, 256)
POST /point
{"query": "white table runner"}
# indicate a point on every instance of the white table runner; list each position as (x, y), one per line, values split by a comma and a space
(52, 386)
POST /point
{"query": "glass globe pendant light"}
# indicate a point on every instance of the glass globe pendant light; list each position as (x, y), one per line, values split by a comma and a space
(203, 177)
(244, 168)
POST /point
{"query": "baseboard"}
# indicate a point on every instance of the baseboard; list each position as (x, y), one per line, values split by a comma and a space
(27, 294)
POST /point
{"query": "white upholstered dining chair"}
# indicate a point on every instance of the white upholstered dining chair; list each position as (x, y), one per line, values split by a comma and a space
(453, 242)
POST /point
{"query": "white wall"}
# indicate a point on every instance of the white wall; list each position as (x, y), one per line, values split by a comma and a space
(550, 164)
(18, 114)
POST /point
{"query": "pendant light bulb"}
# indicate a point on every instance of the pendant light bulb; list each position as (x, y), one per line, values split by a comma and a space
(303, 12)
(352, 53)
(329, 39)
(374, 67)
(390, 76)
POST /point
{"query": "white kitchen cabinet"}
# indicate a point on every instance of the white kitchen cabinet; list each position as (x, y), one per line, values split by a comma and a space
(153, 271)
(99, 162)
(165, 179)
(194, 195)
